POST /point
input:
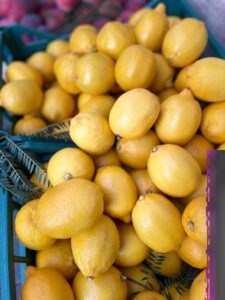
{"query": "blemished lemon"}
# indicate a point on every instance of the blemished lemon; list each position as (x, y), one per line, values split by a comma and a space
(139, 278)
(101, 104)
(58, 256)
(18, 99)
(113, 38)
(180, 82)
(83, 39)
(148, 295)
(69, 163)
(110, 285)
(151, 29)
(94, 73)
(174, 170)
(19, 70)
(178, 49)
(164, 75)
(193, 253)
(58, 105)
(137, 16)
(213, 122)
(28, 125)
(143, 182)
(132, 250)
(135, 152)
(27, 230)
(95, 249)
(91, 132)
(198, 146)
(173, 20)
(82, 100)
(119, 191)
(194, 220)
(45, 283)
(135, 68)
(206, 79)
(198, 287)
(44, 63)
(64, 69)
(134, 113)
(58, 48)
(69, 207)
(167, 93)
(109, 158)
(176, 111)
(165, 264)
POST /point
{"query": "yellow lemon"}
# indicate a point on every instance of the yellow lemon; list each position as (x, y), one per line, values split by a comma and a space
(221, 147)
(137, 16)
(91, 132)
(134, 113)
(118, 189)
(83, 39)
(174, 170)
(58, 48)
(132, 250)
(180, 82)
(135, 152)
(185, 42)
(151, 216)
(109, 158)
(69, 163)
(143, 182)
(18, 99)
(110, 285)
(27, 230)
(135, 68)
(82, 100)
(95, 249)
(176, 111)
(149, 296)
(94, 73)
(173, 20)
(28, 125)
(58, 256)
(198, 287)
(69, 207)
(167, 93)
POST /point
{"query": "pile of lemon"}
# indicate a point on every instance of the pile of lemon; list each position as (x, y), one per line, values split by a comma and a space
(135, 188)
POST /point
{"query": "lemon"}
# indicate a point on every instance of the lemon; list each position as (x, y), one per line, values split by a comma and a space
(167, 93)
(180, 82)
(82, 100)
(137, 16)
(164, 74)
(185, 42)
(149, 295)
(95, 249)
(109, 158)
(193, 253)
(28, 125)
(165, 264)
(27, 230)
(151, 29)
(198, 287)
(58, 48)
(194, 220)
(46, 283)
(58, 256)
(64, 69)
(91, 132)
(198, 146)
(135, 152)
(151, 216)
(94, 73)
(135, 68)
(221, 147)
(69, 207)
(83, 39)
(143, 182)
(69, 163)
(113, 38)
(173, 20)
(19, 70)
(18, 99)
(213, 123)
(139, 278)
(174, 170)
(132, 250)
(99, 104)
(134, 113)
(119, 191)
(176, 111)
(206, 79)
(58, 105)
(44, 63)
(111, 286)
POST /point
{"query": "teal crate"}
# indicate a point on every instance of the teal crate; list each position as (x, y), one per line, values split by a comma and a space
(13, 256)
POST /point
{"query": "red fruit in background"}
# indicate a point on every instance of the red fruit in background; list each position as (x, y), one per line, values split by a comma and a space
(6, 22)
(4, 7)
(53, 18)
(110, 8)
(100, 22)
(67, 5)
(125, 15)
(31, 20)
